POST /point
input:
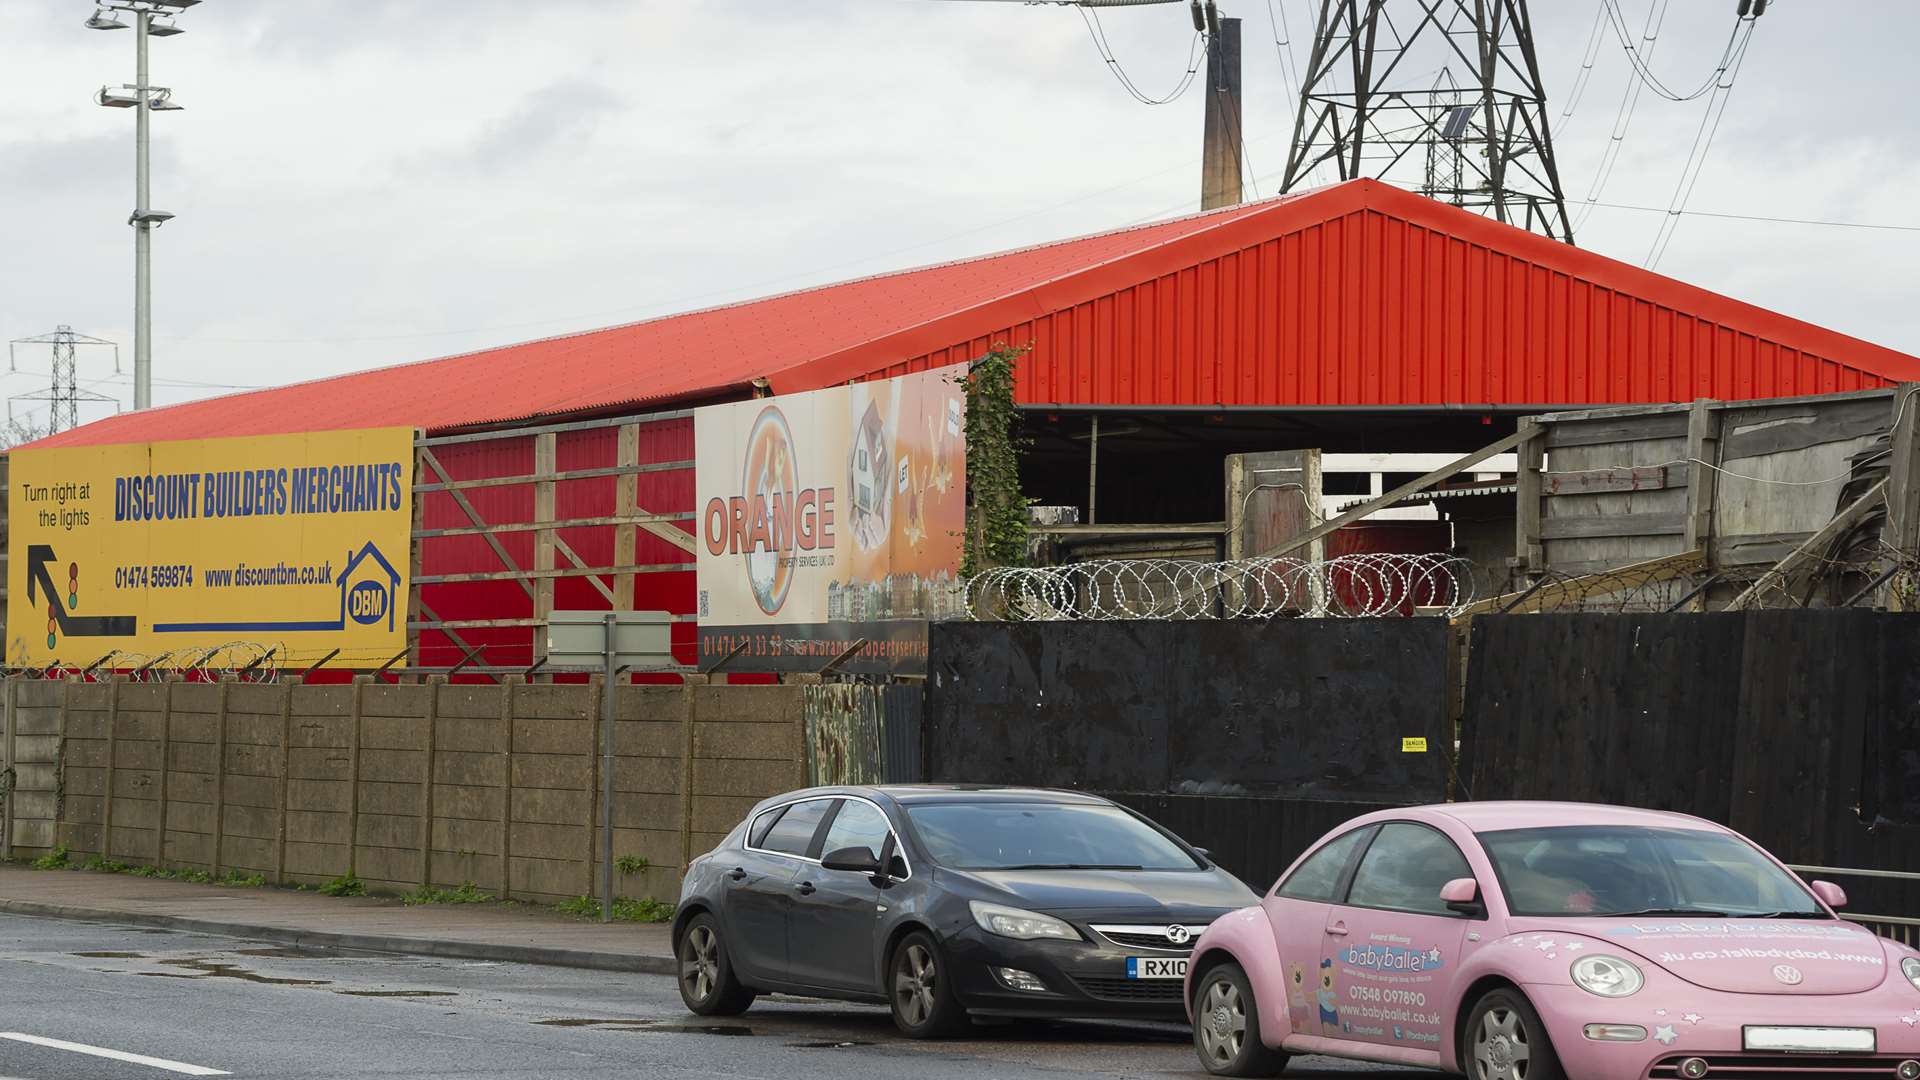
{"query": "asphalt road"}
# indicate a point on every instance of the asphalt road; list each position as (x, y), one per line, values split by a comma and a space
(190, 1002)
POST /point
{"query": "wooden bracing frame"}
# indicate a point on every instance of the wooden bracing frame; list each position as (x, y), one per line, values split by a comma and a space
(553, 557)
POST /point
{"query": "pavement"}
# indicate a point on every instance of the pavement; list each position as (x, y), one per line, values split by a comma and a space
(521, 934)
(111, 1002)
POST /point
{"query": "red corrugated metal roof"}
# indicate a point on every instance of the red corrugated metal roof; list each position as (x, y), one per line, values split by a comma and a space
(1356, 294)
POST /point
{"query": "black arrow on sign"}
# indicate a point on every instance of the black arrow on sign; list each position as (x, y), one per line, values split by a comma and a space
(38, 574)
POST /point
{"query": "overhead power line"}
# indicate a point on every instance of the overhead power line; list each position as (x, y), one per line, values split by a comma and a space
(1623, 116)
(1764, 217)
(1640, 59)
(1581, 78)
(1098, 31)
(1697, 154)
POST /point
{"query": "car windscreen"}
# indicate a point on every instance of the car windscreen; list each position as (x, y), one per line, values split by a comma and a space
(1043, 836)
(1623, 870)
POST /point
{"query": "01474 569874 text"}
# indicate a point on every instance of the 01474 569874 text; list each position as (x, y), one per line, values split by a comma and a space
(155, 576)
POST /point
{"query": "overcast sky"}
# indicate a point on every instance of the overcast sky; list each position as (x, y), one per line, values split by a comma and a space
(366, 182)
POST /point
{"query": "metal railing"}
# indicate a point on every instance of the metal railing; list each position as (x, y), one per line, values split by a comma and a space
(1898, 928)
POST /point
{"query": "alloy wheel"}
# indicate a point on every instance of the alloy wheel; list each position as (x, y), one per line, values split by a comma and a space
(1500, 1049)
(915, 981)
(700, 963)
(1221, 1022)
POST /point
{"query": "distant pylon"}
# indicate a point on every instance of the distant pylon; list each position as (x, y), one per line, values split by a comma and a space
(1487, 123)
(64, 394)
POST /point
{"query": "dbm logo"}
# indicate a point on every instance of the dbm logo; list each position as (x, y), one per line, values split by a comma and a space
(368, 585)
(367, 603)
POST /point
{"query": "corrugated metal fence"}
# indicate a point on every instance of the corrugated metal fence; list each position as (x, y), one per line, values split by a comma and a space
(862, 734)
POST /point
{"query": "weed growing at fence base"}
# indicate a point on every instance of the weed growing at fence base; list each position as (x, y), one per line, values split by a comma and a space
(625, 909)
(466, 893)
(60, 859)
(631, 864)
(344, 885)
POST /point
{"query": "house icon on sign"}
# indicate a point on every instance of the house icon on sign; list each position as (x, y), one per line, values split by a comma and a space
(369, 587)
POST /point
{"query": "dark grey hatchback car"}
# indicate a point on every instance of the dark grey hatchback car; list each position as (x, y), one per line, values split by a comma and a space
(947, 902)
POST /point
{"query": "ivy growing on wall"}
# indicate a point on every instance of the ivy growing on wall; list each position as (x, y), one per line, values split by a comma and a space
(997, 512)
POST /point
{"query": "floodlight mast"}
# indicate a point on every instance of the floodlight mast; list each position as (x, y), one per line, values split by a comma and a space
(145, 99)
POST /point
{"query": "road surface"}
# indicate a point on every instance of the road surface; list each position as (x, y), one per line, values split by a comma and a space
(162, 1003)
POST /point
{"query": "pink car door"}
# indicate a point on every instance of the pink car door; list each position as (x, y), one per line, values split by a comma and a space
(1392, 945)
(1299, 909)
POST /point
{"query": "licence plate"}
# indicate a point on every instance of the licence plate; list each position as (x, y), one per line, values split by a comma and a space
(1830, 1040)
(1156, 967)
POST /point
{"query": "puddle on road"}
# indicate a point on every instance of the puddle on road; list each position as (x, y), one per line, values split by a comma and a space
(111, 955)
(396, 993)
(827, 1045)
(691, 1029)
(210, 969)
(290, 952)
(636, 1024)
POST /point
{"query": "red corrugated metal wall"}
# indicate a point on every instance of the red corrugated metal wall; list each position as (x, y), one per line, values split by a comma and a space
(665, 491)
(1367, 309)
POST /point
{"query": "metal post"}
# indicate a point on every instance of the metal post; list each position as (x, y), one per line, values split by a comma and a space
(1093, 469)
(142, 230)
(606, 781)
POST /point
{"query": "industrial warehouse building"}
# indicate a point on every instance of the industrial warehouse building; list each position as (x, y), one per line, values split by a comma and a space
(1356, 318)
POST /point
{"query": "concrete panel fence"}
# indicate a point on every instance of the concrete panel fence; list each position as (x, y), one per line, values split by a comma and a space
(398, 785)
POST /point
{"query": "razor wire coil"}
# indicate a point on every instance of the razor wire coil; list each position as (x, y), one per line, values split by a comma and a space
(1368, 585)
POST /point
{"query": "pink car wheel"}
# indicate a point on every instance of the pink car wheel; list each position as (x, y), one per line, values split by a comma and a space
(1507, 1041)
(1226, 1027)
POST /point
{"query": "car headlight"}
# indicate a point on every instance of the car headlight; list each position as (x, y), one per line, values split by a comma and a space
(1607, 976)
(1024, 925)
(1910, 967)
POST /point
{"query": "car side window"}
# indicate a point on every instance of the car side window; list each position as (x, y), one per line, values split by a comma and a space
(1318, 878)
(793, 833)
(858, 824)
(757, 836)
(1405, 869)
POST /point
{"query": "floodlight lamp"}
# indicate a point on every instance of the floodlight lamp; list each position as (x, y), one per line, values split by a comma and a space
(102, 19)
(113, 99)
(163, 29)
(174, 3)
(163, 102)
(149, 217)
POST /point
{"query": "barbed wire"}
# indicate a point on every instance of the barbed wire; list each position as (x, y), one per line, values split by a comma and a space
(1373, 585)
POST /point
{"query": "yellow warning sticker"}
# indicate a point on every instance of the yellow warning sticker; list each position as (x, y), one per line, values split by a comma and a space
(1413, 746)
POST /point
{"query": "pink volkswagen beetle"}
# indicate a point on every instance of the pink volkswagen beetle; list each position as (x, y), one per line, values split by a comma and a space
(1534, 941)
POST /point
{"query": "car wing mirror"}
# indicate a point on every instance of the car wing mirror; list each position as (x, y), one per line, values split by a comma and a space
(857, 859)
(1830, 894)
(1462, 895)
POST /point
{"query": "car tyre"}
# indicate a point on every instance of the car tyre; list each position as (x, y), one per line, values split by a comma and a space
(1226, 1026)
(920, 989)
(1505, 1040)
(707, 982)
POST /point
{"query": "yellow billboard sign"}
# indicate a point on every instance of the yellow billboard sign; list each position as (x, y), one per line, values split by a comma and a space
(297, 543)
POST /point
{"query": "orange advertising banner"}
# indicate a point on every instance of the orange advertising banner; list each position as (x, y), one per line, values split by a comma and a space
(831, 521)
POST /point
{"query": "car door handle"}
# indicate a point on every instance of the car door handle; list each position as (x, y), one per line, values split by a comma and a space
(738, 873)
(805, 888)
(1338, 929)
